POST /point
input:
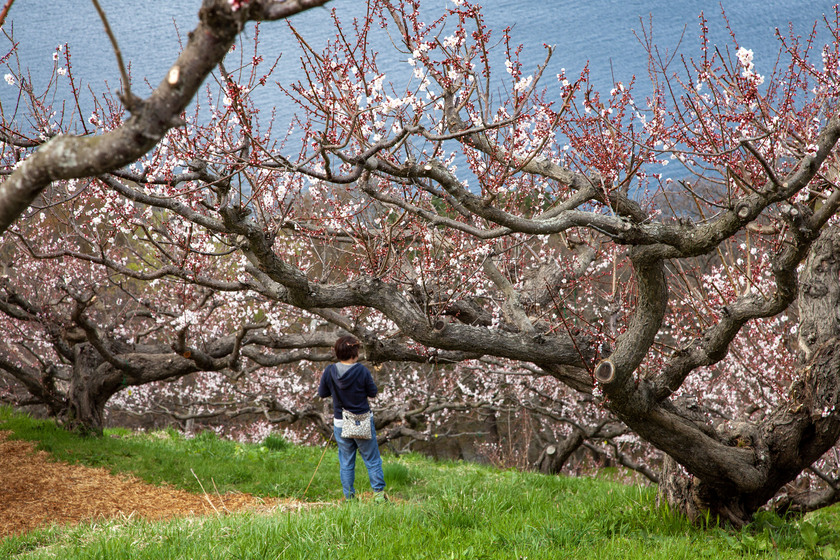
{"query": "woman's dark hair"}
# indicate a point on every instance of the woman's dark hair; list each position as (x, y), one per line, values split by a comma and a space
(347, 348)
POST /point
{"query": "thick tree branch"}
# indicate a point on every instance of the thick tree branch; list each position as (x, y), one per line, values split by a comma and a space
(70, 157)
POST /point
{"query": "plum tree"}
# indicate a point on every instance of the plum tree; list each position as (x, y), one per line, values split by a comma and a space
(449, 216)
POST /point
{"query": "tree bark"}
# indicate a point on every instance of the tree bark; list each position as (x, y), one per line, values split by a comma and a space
(94, 381)
(772, 453)
(554, 456)
(70, 157)
(88, 392)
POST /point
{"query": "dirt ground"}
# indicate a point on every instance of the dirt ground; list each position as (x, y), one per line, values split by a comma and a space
(37, 491)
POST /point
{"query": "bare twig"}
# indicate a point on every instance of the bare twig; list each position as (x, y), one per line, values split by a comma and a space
(127, 98)
(5, 12)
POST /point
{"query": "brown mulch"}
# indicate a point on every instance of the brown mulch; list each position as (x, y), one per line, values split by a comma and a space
(35, 491)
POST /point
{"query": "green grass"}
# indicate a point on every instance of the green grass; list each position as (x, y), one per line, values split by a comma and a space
(439, 510)
(168, 457)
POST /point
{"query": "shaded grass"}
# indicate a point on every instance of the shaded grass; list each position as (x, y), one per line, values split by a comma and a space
(438, 510)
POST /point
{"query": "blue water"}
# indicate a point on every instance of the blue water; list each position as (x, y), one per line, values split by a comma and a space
(598, 31)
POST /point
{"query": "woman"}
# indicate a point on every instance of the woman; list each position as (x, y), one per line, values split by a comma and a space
(353, 384)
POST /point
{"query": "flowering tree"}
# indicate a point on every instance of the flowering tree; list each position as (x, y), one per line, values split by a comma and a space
(70, 157)
(443, 223)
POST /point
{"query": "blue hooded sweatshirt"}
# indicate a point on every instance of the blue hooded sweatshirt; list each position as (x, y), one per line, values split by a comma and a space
(354, 387)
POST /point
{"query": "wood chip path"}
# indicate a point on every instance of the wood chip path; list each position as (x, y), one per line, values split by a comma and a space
(35, 491)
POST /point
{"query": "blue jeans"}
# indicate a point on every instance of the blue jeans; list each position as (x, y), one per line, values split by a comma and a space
(369, 449)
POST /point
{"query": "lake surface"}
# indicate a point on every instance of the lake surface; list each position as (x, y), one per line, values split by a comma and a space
(598, 31)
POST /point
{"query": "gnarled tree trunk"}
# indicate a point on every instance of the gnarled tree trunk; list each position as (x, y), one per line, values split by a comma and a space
(731, 471)
(88, 391)
(791, 439)
(94, 379)
(554, 455)
(802, 429)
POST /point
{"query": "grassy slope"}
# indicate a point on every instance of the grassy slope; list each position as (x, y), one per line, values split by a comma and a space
(440, 510)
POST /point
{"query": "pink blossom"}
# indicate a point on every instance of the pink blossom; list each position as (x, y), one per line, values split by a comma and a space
(236, 4)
